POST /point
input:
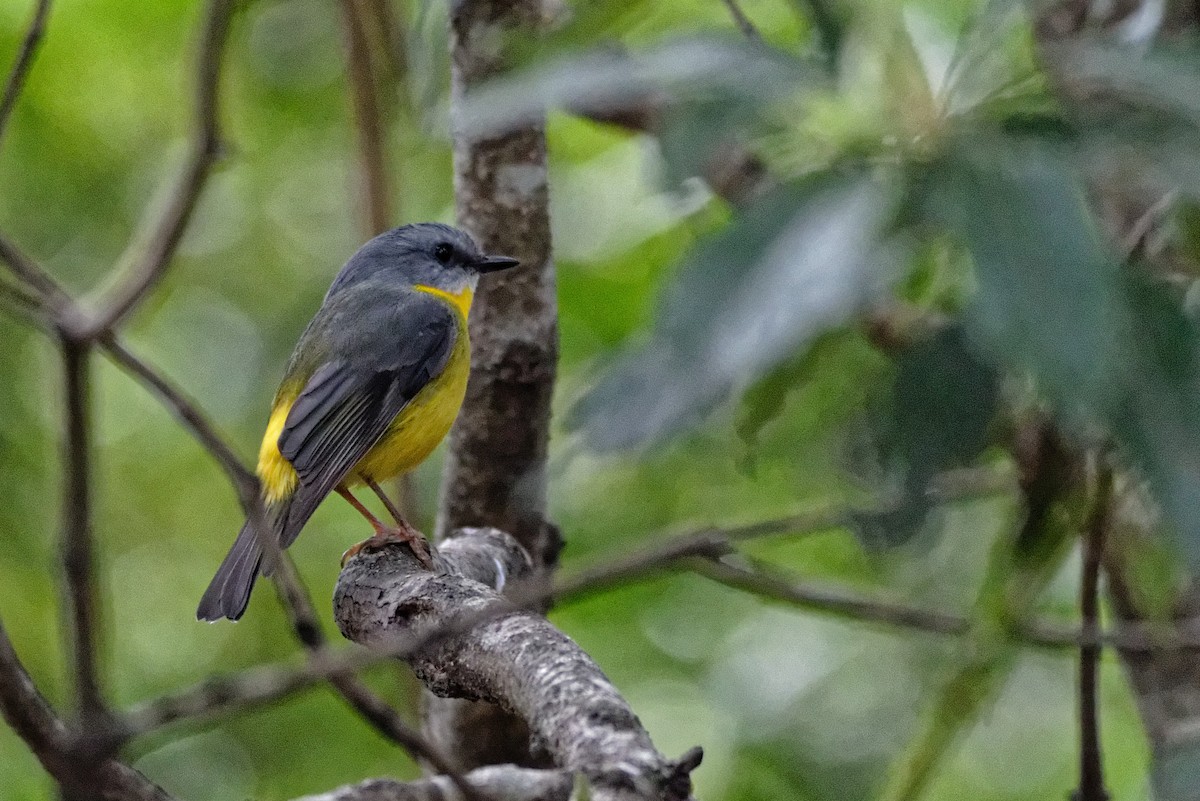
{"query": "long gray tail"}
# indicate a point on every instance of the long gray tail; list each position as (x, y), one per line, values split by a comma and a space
(229, 592)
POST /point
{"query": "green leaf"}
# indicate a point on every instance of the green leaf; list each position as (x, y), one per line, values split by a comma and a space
(1141, 111)
(1158, 418)
(764, 401)
(984, 64)
(678, 72)
(1175, 771)
(1108, 348)
(1162, 79)
(793, 265)
(943, 400)
(1047, 296)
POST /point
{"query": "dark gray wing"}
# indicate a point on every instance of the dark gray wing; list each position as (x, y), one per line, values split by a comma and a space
(348, 404)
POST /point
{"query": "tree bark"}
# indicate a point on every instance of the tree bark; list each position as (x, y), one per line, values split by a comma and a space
(495, 467)
(482, 648)
(499, 783)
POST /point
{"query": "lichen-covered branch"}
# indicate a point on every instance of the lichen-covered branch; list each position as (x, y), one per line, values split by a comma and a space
(500, 783)
(512, 658)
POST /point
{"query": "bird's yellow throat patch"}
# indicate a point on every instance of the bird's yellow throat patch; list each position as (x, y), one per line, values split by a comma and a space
(459, 300)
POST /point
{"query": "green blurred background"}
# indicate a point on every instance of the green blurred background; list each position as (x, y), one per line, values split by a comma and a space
(786, 705)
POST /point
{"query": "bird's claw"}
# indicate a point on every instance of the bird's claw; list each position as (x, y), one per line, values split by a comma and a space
(385, 536)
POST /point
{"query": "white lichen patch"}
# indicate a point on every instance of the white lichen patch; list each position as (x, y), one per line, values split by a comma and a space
(519, 184)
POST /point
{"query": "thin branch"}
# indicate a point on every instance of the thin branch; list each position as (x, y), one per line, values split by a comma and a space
(23, 62)
(1091, 765)
(391, 37)
(835, 600)
(28, 712)
(77, 551)
(364, 96)
(187, 413)
(32, 718)
(20, 304)
(742, 21)
(56, 301)
(21, 296)
(151, 249)
(709, 543)
(714, 542)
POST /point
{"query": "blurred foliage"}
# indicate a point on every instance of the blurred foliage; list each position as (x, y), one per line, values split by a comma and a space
(934, 172)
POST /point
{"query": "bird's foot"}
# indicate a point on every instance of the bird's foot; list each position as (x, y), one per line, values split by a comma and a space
(386, 535)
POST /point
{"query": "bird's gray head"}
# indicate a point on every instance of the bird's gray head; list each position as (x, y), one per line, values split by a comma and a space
(429, 254)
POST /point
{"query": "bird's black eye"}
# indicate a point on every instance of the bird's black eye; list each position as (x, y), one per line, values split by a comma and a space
(443, 252)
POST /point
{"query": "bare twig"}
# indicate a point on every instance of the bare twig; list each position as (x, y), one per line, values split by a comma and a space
(857, 607)
(34, 721)
(390, 36)
(28, 712)
(56, 301)
(22, 63)
(364, 96)
(77, 552)
(834, 600)
(1091, 766)
(19, 303)
(150, 250)
(742, 21)
(188, 413)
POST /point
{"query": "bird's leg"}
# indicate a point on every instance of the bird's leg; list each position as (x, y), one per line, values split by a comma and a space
(402, 532)
(391, 507)
(362, 510)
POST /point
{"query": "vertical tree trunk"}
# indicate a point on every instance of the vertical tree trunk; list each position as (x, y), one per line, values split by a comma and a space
(495, 469)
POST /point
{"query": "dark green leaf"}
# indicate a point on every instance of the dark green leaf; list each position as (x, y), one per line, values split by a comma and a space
(941, 405)
(1109, 349)
(608, 82)
(792, 266)
(1161, 79)
(1047, 300)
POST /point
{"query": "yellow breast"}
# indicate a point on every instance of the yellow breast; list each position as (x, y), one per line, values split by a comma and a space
(424, 422)
(411, 437)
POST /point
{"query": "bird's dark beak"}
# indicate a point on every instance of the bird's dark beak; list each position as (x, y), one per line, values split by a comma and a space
(493, 264)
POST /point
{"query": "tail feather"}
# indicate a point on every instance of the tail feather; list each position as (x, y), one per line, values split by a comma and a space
(228, 594)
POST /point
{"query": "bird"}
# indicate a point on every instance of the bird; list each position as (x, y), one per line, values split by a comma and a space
(372, 386)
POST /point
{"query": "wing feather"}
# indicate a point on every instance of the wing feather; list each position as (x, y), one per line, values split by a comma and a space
(345, 409)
